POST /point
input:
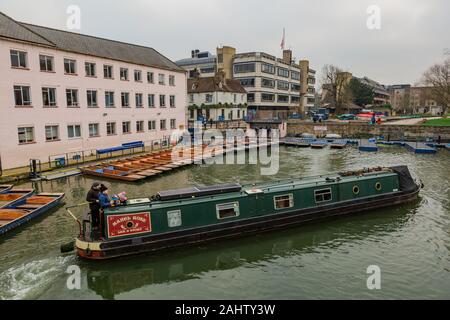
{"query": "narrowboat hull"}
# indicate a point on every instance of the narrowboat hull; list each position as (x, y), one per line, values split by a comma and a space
(102, 250)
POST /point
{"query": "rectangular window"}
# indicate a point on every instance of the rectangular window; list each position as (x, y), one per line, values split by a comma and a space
(49, 97)
(110, 128)
(248, 82)
(126, 127)
(295, 87)
(172, 81)
(174, 218)
(191, 98)
(227, 210)
(94, 130)
(282, 72)
(138, 99)
(26, 135)
(283, 202)
(107, 72)
(151, 125)
(251, 97)
(139, 126)
(137, 75)
(161, 79)
(22, 95)
(72, 97)
(151, 100)
(295, 75)
(283, 98)
(150, 78)
(191, 114)
(267, 97)
(18, 59)
(90, 69)
(109, 99)
(173, 124)
(74, 131)
(124, 74)
(268, 68)
(244, 68)
(283, 85)
(70, 66)
(172, 101)
(125, 97)
(162, 101)
(51, 133)
(162, 125)
(91, 98)
(267, 83)
(295, 99)
(46, 63)
(208, 98)
(323, 195)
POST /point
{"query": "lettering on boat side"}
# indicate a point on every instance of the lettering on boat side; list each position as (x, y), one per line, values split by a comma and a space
(128, 224)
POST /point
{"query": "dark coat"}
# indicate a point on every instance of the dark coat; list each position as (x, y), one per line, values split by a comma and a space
(92, 198)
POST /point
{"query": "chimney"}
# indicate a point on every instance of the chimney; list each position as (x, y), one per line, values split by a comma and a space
(287, 56)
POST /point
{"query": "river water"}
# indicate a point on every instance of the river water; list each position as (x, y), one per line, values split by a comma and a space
(326, 260)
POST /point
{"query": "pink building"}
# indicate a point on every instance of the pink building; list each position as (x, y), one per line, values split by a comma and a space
(63, 92)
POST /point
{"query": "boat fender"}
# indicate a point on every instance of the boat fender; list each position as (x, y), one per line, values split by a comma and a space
(88, 252)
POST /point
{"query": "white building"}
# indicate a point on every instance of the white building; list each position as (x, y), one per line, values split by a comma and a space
(63, 92)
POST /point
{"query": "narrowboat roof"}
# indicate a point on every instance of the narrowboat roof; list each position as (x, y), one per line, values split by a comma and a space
(249, 189)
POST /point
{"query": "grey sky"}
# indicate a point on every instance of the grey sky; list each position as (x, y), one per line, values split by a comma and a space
(413, 35)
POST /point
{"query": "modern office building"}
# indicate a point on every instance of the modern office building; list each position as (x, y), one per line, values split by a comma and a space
(63, 92)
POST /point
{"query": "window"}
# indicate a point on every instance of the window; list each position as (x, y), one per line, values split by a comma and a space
(162, 125)
(94, 130)
(70, 66)
(283, 202)
(91, 98)
(108, 72)
(151, 100)
(49, 97)
(151, 125)
(51, 133)
(72, 97)
(322, 195)
(137, 75)
(295, 99)
(173, 124)
(251, 97)
(172, 81)
(208, 70)
(295, 87)
(267, 97)
(139, 126)
(22, 95)
(126, 127)
(248, 82)
(18, 59)
(124, 74)
(239, 113)
(191, 114)
(267, 83)
(208, 98)
(161, 79)
(174, 218)
(282, 72)
(26, 135)
(90, 69)
(172, 101)
(244, 68)
(227, 210)
(110, 128)
(191, 98)
(283, 98)
(46, 63)
(150, 77)
(125, 97)
(234, 98)
(268, 68)
(295, 75)
(109, 99)
(283, 85)
(138, 100)
(162, 101)
(74, 131)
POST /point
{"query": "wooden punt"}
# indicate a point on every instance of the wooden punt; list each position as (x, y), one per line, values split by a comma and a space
(14, 195)
(26, 209)
(112, 174)
(5, 187)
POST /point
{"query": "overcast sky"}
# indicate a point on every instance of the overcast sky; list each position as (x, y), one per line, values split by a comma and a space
(414, 33)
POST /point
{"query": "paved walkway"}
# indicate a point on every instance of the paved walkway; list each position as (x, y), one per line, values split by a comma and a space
(409, 122)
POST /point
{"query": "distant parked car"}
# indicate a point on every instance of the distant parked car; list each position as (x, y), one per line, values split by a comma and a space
(347, 117)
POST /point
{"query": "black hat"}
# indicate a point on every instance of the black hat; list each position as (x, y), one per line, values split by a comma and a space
(95, 185)
(103, 187)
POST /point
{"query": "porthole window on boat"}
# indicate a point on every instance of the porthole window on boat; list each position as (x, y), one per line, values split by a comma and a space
(378, 186)
(227, 210)
(174, 218)
(355, 190)
(284, 201)
(323, 195)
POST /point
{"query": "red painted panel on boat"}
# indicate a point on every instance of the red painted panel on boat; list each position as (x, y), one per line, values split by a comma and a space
(128, 224)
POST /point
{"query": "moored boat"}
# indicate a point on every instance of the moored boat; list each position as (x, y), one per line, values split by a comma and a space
(25, 209)
(5, 187)
(10, 196)
(194, 215)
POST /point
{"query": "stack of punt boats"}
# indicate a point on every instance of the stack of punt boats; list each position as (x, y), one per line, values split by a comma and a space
(10, 196)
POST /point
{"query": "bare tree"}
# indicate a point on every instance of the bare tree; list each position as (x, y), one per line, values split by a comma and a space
(437, 77)
(335, 84)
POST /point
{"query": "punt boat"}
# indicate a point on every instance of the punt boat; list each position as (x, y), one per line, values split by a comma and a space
(5, 187)
(25, 209)
(12, 195)
(177, 218)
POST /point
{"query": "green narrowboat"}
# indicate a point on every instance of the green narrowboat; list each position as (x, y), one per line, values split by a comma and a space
(191, 216)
